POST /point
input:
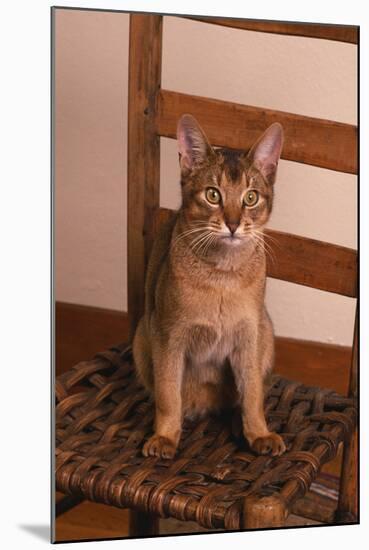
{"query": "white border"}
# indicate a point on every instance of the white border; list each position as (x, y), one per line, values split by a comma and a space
(25, 260)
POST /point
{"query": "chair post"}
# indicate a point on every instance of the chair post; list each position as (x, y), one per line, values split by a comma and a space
(142, 524)
(259, 513)
(347, 510)
(145, 57)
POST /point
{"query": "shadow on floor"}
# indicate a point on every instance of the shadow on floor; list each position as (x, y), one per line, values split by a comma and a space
(40, 531)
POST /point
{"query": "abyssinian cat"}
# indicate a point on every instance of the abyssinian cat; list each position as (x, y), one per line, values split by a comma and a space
(205, 341)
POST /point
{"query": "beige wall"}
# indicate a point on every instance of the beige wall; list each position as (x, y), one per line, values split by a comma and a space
(306, 76)
(90, 158)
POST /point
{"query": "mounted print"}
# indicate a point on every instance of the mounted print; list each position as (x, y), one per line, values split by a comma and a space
(205, 187)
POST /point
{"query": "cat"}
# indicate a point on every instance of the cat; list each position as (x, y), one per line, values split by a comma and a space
(205, 342)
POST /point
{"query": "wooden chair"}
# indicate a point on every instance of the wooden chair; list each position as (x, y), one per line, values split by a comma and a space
(103, 415)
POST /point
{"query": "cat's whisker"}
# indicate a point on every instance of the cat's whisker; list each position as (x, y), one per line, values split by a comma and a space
(206, 245)
(258, 242)
(211, 241)
(197, 242)
(198, 250)
(197, 226)
(197, 238)
(261, 236)
(269, 237)
(187, 233)
(258, 237)
(267, 248)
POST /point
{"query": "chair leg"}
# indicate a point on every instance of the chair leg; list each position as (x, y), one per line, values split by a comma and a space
(142, 524)
(347, 510)
(259, 513)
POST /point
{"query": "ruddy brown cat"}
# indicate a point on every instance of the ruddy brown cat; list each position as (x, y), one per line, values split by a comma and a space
(205, 341)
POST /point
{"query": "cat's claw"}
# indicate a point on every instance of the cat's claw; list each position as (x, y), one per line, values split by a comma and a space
(159, 446)
(271, 444)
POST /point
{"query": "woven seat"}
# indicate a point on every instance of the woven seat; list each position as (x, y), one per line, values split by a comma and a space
(103, 417)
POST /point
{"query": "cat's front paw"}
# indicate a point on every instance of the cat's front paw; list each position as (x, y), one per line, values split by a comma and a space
(159, 446)
(271, 444)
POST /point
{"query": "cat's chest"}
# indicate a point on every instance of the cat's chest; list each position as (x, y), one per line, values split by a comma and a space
(214, 328)
(222, 299)
(223, 308)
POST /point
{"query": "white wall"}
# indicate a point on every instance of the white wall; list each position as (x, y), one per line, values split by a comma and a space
(311, 77)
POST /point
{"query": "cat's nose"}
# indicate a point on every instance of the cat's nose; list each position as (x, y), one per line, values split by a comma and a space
(232, 226)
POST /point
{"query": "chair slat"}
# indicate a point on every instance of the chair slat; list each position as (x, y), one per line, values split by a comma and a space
(308, 140)
(340, 33)
(304, 261)
(312, 263)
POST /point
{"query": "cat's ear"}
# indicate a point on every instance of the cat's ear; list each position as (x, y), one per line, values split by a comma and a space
(193, 145)
(266, 152)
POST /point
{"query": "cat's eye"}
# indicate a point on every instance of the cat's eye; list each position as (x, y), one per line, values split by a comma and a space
(212, 195)
(251, 198)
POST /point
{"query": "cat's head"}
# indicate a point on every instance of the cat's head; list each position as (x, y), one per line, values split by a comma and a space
(227, 195)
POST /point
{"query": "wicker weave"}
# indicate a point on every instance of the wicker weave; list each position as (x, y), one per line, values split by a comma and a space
(103, 417)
